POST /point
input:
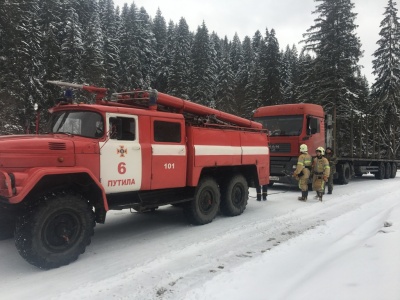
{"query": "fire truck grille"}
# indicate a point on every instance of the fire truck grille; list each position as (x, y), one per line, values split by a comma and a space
(57, 146)
(280, 148)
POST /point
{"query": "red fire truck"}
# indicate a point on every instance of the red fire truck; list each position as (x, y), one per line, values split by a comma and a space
(357, 141)
(133, 150)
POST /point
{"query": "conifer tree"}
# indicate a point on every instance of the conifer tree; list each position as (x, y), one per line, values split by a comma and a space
(270, 59)
(386, 65)
(92, 58)
(109, 26)
(50, 21)
(216, 58)
(130, 69)
(248, 59)
(181, 66)
(337, 51)
(162, 59)
(225, 90)
(202, 77)
(289, 74)
(146, 46)
(386, 89)
(20, 82)
(72, 49)
(253, 88)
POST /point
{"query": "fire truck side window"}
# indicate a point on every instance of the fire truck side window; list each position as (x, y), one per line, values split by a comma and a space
(122, 128)
(169, 132)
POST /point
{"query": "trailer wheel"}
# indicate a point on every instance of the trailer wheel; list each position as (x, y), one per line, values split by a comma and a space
(381, 171)
(388, 170)
(204, 207)
(55, 232)
(344, 173)
(7, 225)
(394, 170)
(234, 196)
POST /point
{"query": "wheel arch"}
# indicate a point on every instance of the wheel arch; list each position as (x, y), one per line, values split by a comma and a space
(82, 182)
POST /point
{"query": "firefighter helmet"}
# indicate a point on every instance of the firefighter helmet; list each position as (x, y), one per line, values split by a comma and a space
(303, 148)
(321, 149)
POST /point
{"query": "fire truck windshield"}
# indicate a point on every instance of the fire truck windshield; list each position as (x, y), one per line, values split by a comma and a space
(282, 125)
(84, 123)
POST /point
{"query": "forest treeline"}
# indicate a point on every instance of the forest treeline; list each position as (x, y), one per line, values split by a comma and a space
(96, 43)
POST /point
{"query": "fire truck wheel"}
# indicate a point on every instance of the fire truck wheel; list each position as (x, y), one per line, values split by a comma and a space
(55, 232)
(234, 195)
(7, 225)
(204, 207)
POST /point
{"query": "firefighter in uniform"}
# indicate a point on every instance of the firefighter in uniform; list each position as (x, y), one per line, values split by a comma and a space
(331, 157)
(320, 172)
(302, 172)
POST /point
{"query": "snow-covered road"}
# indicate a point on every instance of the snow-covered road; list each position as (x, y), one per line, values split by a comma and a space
(278, 249)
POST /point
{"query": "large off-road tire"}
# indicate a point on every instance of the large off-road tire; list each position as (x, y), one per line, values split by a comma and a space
(344, 173)
(234, 196)
(393, 170)
(204, 207)
(388, 170)
(7, 224)
(381, 171)
(55, 232)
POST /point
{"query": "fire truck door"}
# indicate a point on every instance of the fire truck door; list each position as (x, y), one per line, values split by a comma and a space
(168, 166)
(120, 155)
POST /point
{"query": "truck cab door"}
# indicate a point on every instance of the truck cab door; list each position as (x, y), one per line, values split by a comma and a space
(121, 155)
(169, 155)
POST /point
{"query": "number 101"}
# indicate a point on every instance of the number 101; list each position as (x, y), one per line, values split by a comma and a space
(169, 166)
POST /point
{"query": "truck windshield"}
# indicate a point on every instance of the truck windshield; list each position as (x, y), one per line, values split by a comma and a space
(282, 125)
(84, 123)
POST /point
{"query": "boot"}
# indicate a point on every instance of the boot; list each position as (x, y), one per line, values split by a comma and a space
(258, 196)
(303, 196)
(320, 196)
(329, 191)
(264, 196)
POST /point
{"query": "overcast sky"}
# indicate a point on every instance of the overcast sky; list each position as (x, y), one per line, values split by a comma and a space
(289, 18)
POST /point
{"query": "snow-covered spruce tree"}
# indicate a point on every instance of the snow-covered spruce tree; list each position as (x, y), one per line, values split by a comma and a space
(50, 20)
(93, 58)
(162, 59)
(307, 90)
(202, 77)
(289, 74)
(253, 91)
(129, 72)
(216, 58)
(109, 25)
(270, 60)
(386, 89)
(245, 75)
(72, 48)
(20, 63)
(146, 45)
(181, 66)
(333, 41)
(237, 103)
(225, 90)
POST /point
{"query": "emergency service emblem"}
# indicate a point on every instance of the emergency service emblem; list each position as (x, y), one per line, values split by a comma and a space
(122, 151)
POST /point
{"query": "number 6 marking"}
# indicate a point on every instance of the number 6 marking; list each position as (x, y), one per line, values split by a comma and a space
(121, 168)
